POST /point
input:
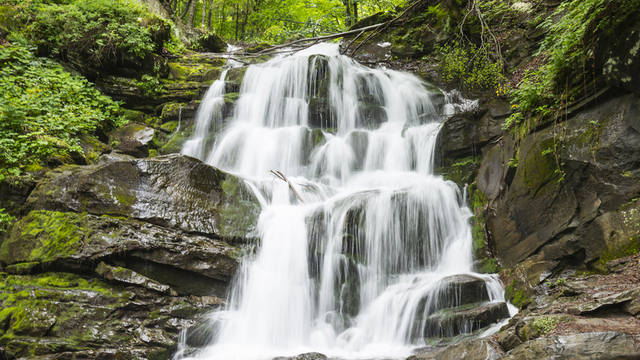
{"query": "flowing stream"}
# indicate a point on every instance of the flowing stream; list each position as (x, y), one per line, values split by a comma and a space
(354, 261)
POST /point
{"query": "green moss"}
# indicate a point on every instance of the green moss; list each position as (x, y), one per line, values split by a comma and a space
(231, 98)
(543, 325)
(55, 280)
(518, 297)
(159, 354)
(257, 48)
(239, 215)
(616, 250)
(170, 126)
(44, 236)
(488, 266)
(22, 268)
(175, 143)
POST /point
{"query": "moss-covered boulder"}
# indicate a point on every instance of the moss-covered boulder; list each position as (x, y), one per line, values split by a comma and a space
(174, 191)
(46, 239)
(64, 315)
(211, 42)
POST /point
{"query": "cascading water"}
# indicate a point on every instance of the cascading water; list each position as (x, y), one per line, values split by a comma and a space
(356, 268)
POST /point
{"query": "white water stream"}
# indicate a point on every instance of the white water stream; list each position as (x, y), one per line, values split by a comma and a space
(350, 271)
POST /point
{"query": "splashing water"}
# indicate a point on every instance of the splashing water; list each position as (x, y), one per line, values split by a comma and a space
(353, 270)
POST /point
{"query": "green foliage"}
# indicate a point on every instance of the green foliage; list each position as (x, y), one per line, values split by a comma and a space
(565, 51)
(544, 324)
(471, 67)
(44, 110)
(150, 85)
(5, 220)
(558, 282)
(92, 33)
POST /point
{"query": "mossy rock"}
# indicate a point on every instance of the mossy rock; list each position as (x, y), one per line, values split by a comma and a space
(234, 78)
(53, 313)
(257, 48)
(176, 141)
(45, 239)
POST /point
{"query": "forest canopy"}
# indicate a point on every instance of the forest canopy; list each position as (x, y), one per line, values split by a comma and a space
(276, 21)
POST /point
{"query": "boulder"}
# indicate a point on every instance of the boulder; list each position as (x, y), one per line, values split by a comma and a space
(464, 319)
(598, 345)
(211, 42)
(133, 139)
(173, 191)
(305, 356)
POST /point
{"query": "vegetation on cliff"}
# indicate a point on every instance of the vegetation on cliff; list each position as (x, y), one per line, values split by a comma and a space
(44, 111)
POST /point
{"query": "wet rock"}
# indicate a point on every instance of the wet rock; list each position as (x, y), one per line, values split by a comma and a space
(185, 113)
(86, 318)
(465, 134)
(602, 345)
(77, 241)
(477, 349)
(234, 79)
(173, 191)
(463, 290)
(113, 156)
(133, 139)
(126, 276)
(306, 356)
(464, 319)
(581, 201)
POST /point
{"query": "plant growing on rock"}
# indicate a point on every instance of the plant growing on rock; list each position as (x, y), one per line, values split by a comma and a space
(44, 110)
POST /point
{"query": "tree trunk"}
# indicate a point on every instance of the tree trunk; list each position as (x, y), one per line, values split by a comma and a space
(192, 13)
(209, 13)
(347, 19)
(186, 9)
(237, 20)
(204, 14)
(355, 12)
(222, 18)
(246, 18)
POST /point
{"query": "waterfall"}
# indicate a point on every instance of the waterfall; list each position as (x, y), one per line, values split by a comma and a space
(356, 268)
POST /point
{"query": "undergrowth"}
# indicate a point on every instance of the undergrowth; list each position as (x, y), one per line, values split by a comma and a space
(565, 53)
(44, 110)
(93, 33)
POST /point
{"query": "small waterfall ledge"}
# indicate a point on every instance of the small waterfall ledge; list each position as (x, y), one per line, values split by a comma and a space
(376, 257)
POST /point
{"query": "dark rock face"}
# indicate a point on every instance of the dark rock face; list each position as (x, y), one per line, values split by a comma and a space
(571, 210)
(464, 319)
(466, 133)
(173, 191)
